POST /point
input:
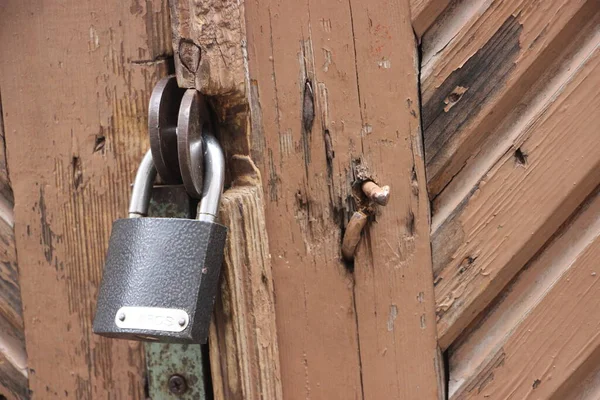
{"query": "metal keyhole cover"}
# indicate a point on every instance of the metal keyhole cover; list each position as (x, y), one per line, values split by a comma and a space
(193, 125)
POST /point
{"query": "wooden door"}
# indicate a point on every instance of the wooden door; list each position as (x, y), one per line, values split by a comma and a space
(476, 280)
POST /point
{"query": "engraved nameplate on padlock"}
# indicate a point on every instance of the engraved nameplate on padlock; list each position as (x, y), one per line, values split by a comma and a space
(152, 318)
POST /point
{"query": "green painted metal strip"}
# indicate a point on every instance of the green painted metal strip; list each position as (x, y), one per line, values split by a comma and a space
(176, 371)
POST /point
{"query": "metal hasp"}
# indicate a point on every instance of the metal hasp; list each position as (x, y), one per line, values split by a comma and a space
(177, 371)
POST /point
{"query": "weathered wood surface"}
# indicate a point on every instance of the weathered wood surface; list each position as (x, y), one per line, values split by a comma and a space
(333, 92)
(243, 341)
(477, 62)
(74, 108)
(13, 357)
(335, 87)
(545, 328)
(514, 191)
(424, 13)
(209, 52)
(511, 93)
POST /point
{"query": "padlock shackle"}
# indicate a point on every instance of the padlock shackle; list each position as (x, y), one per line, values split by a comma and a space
(214, 177)
(142, 187)
(214, 171)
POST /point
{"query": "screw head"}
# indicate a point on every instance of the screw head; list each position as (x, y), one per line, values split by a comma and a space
(181, 321)
(122, 316)
(177, 384)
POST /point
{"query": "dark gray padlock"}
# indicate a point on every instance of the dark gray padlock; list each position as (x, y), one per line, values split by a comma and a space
(161, 275)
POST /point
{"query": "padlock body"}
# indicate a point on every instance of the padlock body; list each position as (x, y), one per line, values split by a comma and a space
(160, 280)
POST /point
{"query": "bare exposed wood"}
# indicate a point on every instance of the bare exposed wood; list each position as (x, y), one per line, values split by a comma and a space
(75, 130)
(13, 357)
(243, 340)
(10, 296)
(209, 40)
(5, 190)
(523, 197)
(13, 383)
(541, 339)
(425, 12)
(476, 62)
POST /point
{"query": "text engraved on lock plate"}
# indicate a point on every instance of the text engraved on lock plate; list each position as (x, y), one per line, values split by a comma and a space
(152, 318)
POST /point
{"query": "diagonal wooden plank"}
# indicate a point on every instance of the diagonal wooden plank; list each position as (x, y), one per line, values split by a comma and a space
(425, 12)
(542, 338)
(13, 363)
(523, 198)
(480, 58)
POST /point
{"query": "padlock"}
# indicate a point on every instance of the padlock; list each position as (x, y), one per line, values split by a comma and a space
(161, 275)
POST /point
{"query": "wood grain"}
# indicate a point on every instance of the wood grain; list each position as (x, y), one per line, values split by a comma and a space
(425, 12)
(541, 339)
(13, 357)
(75, 124)
(333, 90)
(243, 341)
(479, 59)
(545, 171)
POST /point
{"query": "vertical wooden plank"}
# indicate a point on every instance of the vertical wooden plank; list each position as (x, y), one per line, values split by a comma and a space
(243, 341)
(307, 192)
(211, 56)
(334, 92)
(394, 281)
(74, 108)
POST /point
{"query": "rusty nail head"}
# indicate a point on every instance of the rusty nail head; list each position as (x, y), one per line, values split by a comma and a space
(177, 384)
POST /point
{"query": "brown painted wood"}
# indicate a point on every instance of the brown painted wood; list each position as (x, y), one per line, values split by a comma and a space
(74, 113)
(333, 96)
(541, 339)
(243, 342)
(336, 84)
(477, 61)
(510, 99)
(528, 188)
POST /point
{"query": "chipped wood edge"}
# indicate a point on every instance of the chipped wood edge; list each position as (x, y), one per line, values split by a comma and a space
(243, 338)
(14, 382)
(209, 40)
(424, 13)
